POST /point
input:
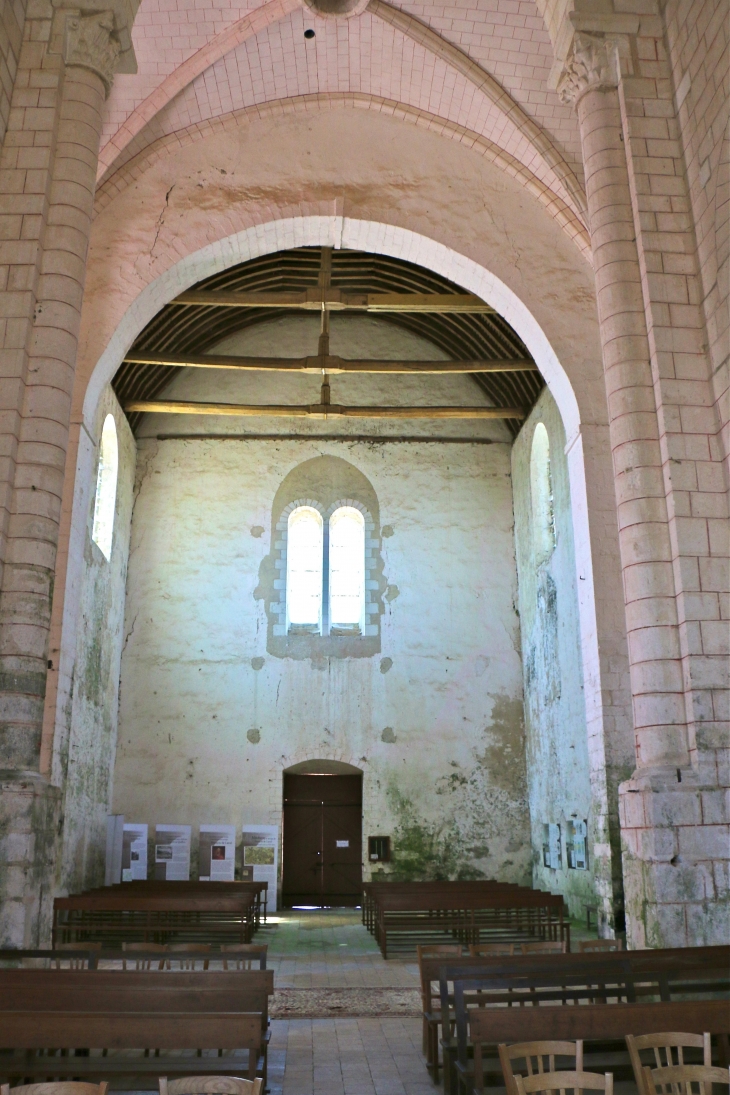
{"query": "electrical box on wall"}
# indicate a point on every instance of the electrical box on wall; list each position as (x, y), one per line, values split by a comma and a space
(577, 845)
(552, 856)
(379, 849)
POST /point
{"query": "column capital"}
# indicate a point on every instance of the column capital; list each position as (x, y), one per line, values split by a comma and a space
(594, 63)
(89, 41)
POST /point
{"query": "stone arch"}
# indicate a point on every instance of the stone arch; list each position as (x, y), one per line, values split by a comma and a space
(333, 229)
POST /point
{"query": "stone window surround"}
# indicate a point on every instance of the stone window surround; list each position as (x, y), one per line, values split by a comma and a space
(372, 617)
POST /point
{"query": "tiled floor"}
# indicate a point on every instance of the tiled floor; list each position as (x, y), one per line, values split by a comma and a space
(331, 949)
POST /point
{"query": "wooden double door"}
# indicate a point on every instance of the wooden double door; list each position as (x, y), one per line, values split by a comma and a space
(322, 840)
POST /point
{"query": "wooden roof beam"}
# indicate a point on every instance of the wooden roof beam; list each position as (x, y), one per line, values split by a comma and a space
(337, 300)
(319, 410)
(330, 363)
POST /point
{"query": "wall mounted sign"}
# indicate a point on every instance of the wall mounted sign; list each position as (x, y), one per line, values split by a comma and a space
(172, 853)
(261, 851)
(217, 853)
(134, 853)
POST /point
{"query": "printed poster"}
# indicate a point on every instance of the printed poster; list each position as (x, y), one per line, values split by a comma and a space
(134, 853)
(172, 853)
(261, 851)
(217, 853)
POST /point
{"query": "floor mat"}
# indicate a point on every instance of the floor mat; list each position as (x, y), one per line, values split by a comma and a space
(347, 1003)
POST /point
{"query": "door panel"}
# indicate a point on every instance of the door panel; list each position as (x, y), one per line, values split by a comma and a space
(320, 813)
(302, 872)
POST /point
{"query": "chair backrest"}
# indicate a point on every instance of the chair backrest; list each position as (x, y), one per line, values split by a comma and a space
(684, 1079)
(586, 946)
(667, 1049)
(60, 1087)
(144, 963)
(210, 1085)
(74, 963)
(191, 948)
(547, 946)
(538, 1057)
(238, 956)
(483, 950)
(565, 1081)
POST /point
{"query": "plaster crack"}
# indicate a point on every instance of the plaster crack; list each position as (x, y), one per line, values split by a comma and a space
(129, 634)
(161, 219)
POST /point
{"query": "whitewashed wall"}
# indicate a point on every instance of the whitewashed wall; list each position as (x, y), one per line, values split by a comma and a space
(209, 717)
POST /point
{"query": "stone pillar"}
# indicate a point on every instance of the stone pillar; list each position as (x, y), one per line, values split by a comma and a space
(47, 178)
(670, 489)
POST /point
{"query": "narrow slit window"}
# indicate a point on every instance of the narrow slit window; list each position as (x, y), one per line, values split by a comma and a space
(347, 569)
(541, 491)
(304, 569)
(106, 488)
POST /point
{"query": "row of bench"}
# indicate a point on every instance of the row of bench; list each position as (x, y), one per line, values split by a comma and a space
(161, 912)
(472, 1004)
(403, 915)
(62, 1023)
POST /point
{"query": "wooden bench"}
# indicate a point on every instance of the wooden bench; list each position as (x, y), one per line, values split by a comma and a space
(372, 891)
(404, 920)
(116, 994)
(119, 917)
(155, 886)
(582, 979)
(97, 959)
(39, 1029)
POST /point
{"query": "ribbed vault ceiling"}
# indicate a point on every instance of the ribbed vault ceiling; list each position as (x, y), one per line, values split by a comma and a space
(194, 329)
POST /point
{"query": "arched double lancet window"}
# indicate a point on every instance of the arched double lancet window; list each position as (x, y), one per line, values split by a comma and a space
(304, 563)
(106, 488)
(325, 571)
(541, 495)
(347, 569)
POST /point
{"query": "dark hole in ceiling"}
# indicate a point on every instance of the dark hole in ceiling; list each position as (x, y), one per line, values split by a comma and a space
(196, 329)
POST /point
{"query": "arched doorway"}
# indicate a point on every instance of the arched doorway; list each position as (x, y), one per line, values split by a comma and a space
(322, 860)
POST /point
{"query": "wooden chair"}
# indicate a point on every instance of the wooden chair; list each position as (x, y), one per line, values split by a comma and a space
(190, 948)
(684, 1079)
(547, 946)
(536, 1056)
(565, 1081)
(60, 1087)
(239, 956)
(586, 946)
(485, 950)
(668, 1051)
(143, 963)
(210, 1085)
(73, 963)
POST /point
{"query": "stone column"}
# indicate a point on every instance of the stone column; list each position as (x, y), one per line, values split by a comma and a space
(660, 408)
(47, 179)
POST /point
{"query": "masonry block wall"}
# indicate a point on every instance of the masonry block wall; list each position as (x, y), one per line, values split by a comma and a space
(602, 123)
(215, 704)
(564, 776)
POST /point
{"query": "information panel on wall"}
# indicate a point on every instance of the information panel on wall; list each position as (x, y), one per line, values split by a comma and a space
(134, 853)
(217, 853)
(172, 853)
(114, 841)
(261, 851)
